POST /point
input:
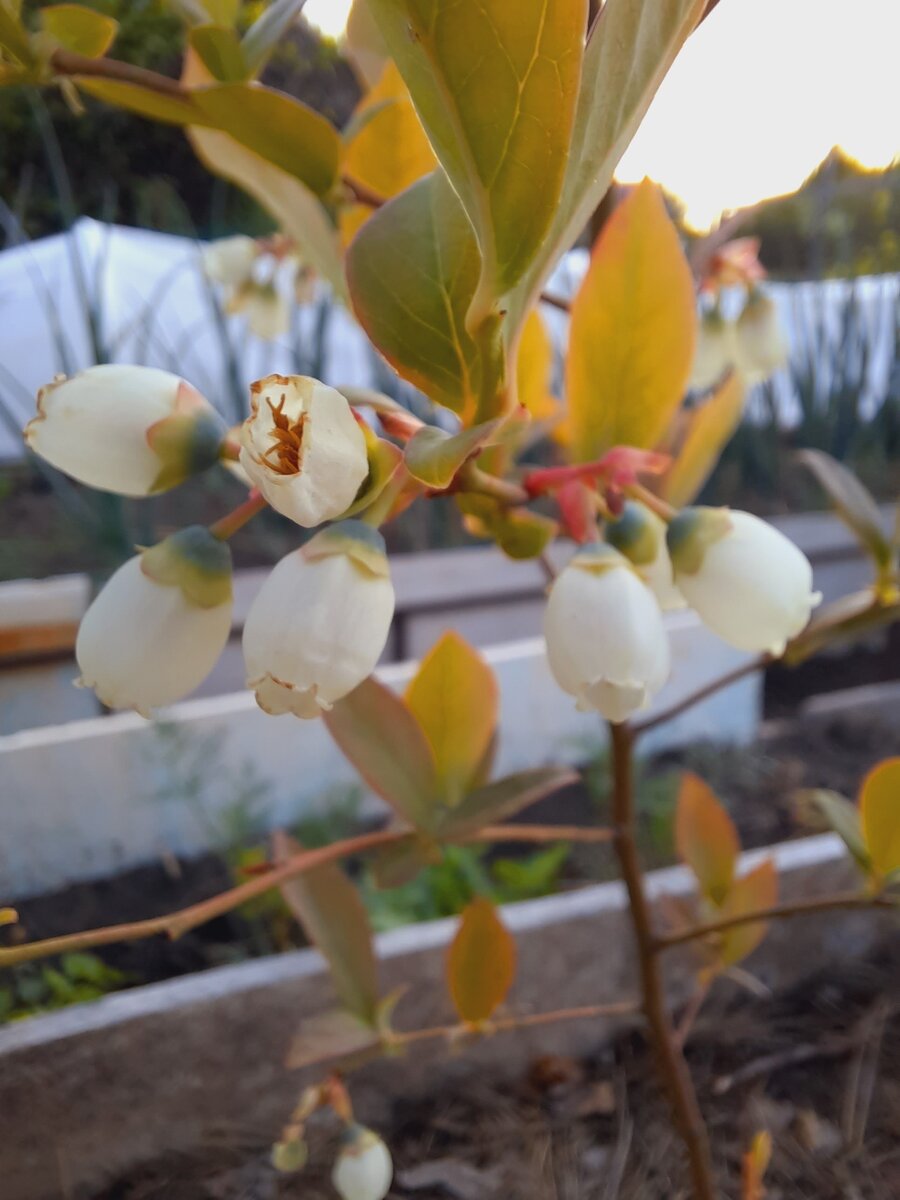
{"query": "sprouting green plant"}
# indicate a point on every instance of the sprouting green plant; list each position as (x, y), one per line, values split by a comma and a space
(76, 977)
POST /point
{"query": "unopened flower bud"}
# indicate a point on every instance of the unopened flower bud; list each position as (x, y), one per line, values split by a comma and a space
(363, 1169)
(605, 638)
(301, 446)
(715, 352)
(230, 260)
(290, 1156)
(320, 621)
(130, 430)
(157, 628)
(747, 582)
(640, 535)
(762, 348)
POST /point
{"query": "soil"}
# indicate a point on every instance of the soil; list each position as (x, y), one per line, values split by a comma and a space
(817, 1067)
(760, 786)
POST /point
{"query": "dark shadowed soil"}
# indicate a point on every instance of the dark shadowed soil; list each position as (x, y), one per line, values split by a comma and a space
(818, 1067)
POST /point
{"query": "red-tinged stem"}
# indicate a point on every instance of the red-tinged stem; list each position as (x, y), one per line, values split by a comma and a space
(228, 525)
(669, 1059)
(703, 693)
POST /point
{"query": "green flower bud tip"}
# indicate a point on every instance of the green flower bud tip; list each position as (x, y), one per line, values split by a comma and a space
(194, 560)
(635, 534)
(290, 1157)
(691, 534)
(362, 543)
(188, 442)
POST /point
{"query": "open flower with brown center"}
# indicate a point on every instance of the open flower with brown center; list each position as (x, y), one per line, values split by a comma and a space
(303, 449)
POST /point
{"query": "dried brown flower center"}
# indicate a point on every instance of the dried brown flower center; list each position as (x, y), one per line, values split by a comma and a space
(287, 436)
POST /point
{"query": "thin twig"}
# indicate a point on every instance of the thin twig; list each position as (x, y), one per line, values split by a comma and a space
(671, 1064)
(792, 1056)
(703, 693)
(798, 908)
(622, 1008)
(177, 923)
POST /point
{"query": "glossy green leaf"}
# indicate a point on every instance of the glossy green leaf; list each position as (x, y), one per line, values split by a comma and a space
(434, 456)
(453, 696)
(633, 329)
(481, 964)
(632, 45)
(853, 502)
(220, 51)
(879, 805)
(280, 129)
(413, 304)
(79, 29)
(495, 84)
(267, 31)
(843, 818)
(334, 919)
(381, 738)
(501, 799)
(706, 838)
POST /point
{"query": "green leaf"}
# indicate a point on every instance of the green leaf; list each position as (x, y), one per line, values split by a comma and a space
(495, 84)
(632, 45)
(381, 738)
(843, 818)
(481, 964)
(399, 864)
(13, 34)
(854, 503)
(454, 698)
(501, 799)
(334, 918)
(278, 128)
(81, 30)
(146, 102)
(434, 456)
(220, 52)
(267, 31)
(223, 12)
(634, 325)
(413, 304)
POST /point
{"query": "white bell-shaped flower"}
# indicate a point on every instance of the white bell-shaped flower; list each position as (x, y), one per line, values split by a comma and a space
(363, 1169)
(130, 430)
(640, 535)
(230, 260)
(320, 621)
(605, 638)
(747, 582)
(157, 628)
(716, 351)
(303, 449)
(761, 345)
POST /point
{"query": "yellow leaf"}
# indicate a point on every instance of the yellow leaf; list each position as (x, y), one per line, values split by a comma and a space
(8, 916)
(390, 151)
(706, 838)
(709, 427)
(453, 696)
(879, 803)
(756, 1163)
(79, 29)
(753, 892)
(481, 964)
(633, 329)
(536, 368)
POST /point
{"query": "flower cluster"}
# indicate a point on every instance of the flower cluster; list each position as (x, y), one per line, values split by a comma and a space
(320, 621)
(606, 643)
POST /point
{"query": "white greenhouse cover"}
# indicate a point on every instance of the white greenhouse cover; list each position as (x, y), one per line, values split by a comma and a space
(153, 305)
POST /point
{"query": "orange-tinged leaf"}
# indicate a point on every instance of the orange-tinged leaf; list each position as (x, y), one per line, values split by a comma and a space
(633, 330)
(706, 838)
(390, 151)
(335, 920)
(709, 427)
(453, 696)
(382, 739)
(756, 1163)
(879, 804)
(753, 892)
(493, 802)
(481, 964)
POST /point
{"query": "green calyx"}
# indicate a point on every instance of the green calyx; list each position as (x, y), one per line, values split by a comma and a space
(195, 561)
(361, 543)
(692, 533)
(635, 534)
(598, 557)
(186, 443)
